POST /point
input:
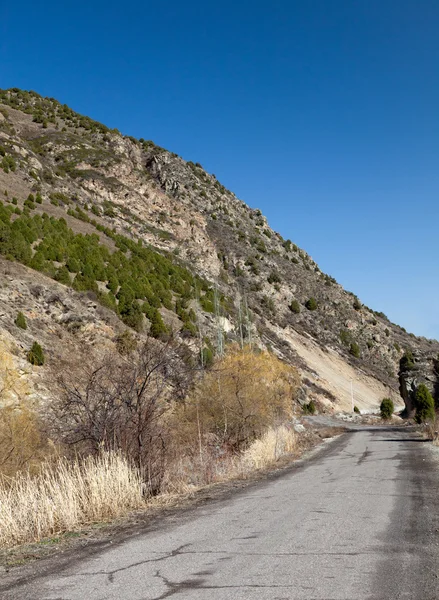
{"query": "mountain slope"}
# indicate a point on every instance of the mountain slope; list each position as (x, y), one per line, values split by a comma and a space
(223, 272)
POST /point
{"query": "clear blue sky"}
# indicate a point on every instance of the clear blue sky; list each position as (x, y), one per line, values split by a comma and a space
(322, 113)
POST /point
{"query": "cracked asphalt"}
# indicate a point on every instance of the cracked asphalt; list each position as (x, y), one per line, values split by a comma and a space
(359, 521)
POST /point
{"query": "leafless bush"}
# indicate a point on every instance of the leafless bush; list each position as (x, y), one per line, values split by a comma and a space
(119, 405)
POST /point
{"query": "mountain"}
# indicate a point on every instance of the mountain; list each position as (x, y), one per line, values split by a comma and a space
(99, 231)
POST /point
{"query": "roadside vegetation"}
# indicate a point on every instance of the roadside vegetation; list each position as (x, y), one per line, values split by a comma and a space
(135, 425)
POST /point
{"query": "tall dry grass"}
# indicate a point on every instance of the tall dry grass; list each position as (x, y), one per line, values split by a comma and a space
(276, 442)
(66, 496)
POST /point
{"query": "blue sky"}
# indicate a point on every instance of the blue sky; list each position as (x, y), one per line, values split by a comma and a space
(322, 113)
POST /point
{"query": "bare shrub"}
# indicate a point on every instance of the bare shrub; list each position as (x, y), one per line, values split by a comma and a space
(119, 404)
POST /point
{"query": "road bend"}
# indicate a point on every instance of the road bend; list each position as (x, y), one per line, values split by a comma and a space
(358, 521)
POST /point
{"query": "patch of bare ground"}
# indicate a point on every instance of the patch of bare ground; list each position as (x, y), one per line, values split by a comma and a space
(165, 508)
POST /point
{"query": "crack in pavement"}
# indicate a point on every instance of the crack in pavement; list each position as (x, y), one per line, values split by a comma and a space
(173, 587)
(111, 574)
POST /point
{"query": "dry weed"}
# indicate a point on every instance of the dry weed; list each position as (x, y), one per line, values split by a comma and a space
(66, 496)
(275, 443)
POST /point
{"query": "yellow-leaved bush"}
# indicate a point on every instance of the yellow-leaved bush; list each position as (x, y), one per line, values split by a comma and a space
(244, 394)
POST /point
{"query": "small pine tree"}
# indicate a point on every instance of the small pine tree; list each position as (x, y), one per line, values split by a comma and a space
(295, 307)
(357, 304)
(355, 350)
(20, 321)
(311, 304)
(158, 328)
(386, 408)
(424, 404)
(36, 355)
(310, 408)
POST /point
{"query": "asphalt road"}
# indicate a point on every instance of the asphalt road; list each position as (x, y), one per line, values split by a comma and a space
(358, 521)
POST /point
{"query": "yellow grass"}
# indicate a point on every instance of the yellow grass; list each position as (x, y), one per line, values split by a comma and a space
(273, 444)
(66, 496)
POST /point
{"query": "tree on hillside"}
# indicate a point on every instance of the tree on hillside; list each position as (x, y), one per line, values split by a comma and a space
(386, 408)
(311, 304)
(424, 404)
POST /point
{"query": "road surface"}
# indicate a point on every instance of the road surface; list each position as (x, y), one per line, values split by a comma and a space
(358, 521)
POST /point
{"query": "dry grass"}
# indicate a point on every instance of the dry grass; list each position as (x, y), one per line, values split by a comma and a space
(275, 443)
(66, 496)
(188, 472)
(431, 431)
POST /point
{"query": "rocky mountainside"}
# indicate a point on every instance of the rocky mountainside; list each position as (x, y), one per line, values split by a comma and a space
(128, 230)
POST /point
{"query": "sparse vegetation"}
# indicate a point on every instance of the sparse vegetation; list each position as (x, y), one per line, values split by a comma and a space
(20, 321)
(424, 404)
(386, 408)
(295, 307)
(309, 408)
(36, 355)
(311, 304)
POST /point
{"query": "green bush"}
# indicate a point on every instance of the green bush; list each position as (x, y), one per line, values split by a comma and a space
(357, 410)
(407, 362)
(386, 408)
(311, 304)
(20, 321)
(36, 355)
(310, 408)
(158, 329)
(424, 404)
(294, 307)
(274, 277)
(355, 350)
(357, 304)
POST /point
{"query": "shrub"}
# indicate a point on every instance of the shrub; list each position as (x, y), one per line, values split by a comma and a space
(311, 304)
(345, 337)
(356, 410)
(357, 304)
(386, 408)
(20, 321)
(310, 408)
(274, 277)
(294, 307)
(355, 350)
(36, 355)
(243, 395)
(407, 362)
(126, 343)
(424, 404)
